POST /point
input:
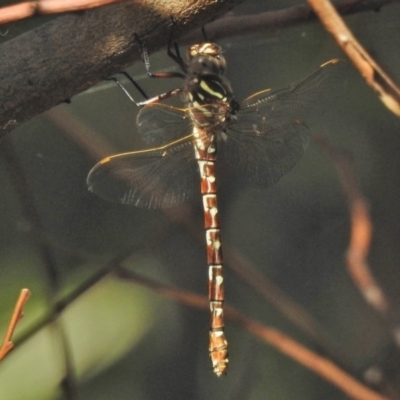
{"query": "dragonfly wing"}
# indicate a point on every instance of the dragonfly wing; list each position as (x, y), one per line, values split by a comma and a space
(159, 178)
(262, 160)
(271, 131)
(159, 124)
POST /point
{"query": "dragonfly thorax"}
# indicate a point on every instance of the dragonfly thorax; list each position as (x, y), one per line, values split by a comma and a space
(210, 101)
(207, 92)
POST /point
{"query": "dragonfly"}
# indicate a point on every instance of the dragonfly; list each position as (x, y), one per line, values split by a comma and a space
(259, 140)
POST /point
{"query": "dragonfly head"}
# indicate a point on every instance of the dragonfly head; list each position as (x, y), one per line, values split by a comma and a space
(206, 58)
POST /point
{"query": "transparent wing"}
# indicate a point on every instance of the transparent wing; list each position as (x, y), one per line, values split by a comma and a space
(271, 131)
(159, 124)
(157, 178)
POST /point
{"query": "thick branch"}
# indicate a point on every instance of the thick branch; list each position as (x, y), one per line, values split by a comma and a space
(66, 56)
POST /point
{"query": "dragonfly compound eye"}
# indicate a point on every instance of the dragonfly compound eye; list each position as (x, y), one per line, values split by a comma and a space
(206, 65)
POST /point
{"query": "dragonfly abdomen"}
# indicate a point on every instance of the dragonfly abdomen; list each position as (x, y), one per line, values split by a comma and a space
(205, 152)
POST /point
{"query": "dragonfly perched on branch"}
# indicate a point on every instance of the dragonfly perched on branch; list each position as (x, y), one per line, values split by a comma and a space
(259, 139)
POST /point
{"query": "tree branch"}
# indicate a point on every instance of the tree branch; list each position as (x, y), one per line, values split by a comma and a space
(46, 66)
(66, 56)
(272, 21)
(15, 12)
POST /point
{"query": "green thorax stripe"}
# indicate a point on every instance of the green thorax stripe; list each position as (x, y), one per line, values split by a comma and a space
(209, 89)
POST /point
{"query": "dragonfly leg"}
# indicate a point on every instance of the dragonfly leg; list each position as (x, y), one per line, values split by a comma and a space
(160, 97)
(148, 100)
(175, 57)
(167, 74)
(121, 86)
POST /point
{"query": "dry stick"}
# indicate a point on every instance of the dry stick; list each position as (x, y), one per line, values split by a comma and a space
(360, 238)
(273, 21)
(27, 9)
(63, 303)
(361, 229)
(374, 75)
(8, 345)
(320, 365)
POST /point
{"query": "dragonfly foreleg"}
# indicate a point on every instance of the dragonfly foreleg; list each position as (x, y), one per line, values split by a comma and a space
(122, 87)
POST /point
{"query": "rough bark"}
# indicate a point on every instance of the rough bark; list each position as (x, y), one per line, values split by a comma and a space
(66, 56)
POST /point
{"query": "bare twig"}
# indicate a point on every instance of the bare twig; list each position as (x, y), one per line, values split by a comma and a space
(361, 229)
(27, 9)
(273, 21)
(374, 75)
(8, 345)
(320, 365)
(360, 239)
(63, 303)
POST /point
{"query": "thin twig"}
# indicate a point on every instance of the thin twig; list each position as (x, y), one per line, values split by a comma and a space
(29, 211)
(314, 362)
(8, 345)
(374, 75)
(16, 12)
(62, 304)
(273, 21)
(360, 239)
(361, 229)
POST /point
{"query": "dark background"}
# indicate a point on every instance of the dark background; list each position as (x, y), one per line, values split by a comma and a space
(127, 342)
